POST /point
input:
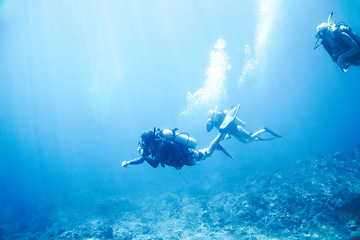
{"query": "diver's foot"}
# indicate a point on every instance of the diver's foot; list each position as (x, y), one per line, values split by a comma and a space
(271, 132)
(124, 164)
(227, 137)
(345, 67)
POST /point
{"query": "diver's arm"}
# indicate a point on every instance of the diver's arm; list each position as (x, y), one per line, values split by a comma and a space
(154, 163)
(354, 48)
(136, 161)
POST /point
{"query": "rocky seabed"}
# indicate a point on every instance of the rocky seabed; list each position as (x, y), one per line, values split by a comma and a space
(317, 199)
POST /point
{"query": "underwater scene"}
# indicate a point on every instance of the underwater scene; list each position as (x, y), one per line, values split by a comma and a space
(191, 119)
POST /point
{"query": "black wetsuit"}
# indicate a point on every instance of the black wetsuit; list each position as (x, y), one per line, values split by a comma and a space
(169, 153)
(341, 46)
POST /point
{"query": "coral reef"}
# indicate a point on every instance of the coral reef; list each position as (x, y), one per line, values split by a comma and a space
(318, 198)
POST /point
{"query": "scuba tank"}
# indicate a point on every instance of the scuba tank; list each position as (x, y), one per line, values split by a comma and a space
(181, 138)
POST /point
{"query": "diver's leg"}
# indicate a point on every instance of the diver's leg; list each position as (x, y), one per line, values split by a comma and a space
(241, 139)
(241, 134)
(255, 135)
(356, 63)
(213, 145)
(241, 131)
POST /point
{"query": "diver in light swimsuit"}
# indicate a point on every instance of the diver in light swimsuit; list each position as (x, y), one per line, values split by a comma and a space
(227, 122)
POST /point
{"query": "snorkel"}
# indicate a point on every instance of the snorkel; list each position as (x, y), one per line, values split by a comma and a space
(329, 18)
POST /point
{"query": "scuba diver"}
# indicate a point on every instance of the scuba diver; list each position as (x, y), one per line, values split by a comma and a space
(227, 122)
(167, 147)
(340, 43)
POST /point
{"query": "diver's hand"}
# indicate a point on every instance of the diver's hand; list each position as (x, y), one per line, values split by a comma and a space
(125, 164)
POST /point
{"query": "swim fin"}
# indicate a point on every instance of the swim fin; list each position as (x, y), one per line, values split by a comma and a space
(272, 133)
(229, 118)
(222, 149)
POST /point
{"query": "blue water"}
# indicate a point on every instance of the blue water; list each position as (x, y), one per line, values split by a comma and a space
(81, 80)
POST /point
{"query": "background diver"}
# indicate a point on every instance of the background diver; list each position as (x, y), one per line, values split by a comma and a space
(227, 122)
(340, 43)
(167, 147)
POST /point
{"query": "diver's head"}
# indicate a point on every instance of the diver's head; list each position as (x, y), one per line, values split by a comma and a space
(147, 138)
(215, 118)
(211, 118)
(322, 30)
(211, 114)
(209, 125)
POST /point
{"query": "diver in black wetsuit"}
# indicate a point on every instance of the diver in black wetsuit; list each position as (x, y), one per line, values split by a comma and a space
(167, 147)
(340, 42)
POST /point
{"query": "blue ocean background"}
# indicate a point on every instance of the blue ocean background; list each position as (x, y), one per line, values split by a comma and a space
(82, 80)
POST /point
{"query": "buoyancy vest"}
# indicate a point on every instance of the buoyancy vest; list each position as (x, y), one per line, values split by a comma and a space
(341, 47)
(169, 152)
